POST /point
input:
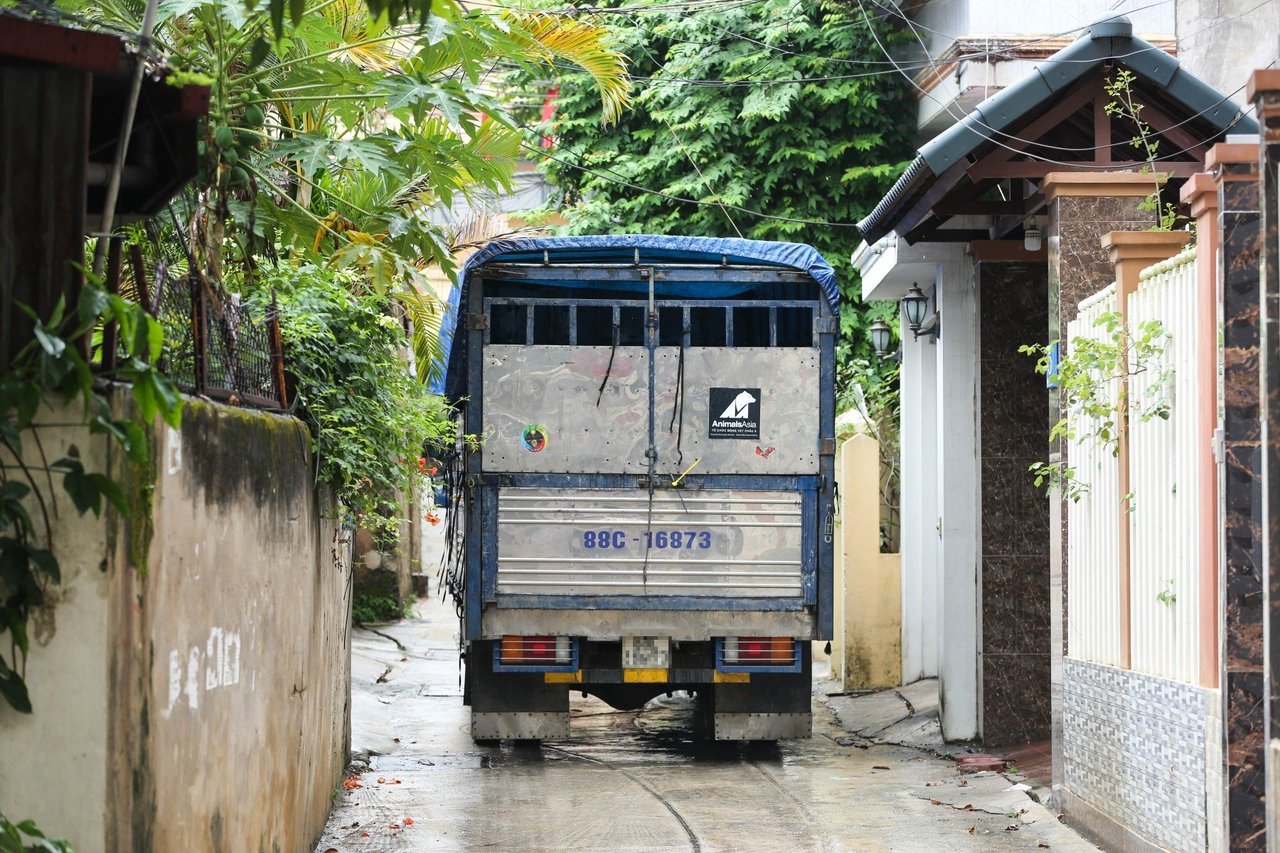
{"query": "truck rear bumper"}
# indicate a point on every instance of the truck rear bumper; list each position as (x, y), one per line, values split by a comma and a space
(679, 625)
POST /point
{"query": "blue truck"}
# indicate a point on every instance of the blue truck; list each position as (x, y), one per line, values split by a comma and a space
(644, 492)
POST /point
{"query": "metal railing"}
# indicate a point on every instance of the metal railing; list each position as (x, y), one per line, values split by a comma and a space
(1093, 606)
(1164, 543)
(1163, 524)
(214, 346)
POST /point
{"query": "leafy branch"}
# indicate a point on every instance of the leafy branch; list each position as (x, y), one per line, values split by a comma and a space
(1094, 378)
(1124, 105)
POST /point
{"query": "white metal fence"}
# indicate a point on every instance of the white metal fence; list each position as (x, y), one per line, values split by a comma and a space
(1093, 580)
(1163, 521)
(1164, 531)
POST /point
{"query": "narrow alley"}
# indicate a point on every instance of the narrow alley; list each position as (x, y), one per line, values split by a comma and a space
(639, 781)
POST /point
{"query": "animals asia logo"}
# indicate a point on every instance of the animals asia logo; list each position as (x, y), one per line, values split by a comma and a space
(734, 413)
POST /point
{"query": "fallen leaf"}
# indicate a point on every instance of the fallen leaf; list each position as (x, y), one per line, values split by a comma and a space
(972, 830)
(396, 739)
(936, 802)
(1042, 844)
(402, 660)
(382, 780)
(351, 783)
(395, 781)
(1011, 828)
(364, 835)
(408, 821)
(968, 807)
(879, 767)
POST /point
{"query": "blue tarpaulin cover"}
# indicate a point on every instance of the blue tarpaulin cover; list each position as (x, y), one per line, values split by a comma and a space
(616, 249)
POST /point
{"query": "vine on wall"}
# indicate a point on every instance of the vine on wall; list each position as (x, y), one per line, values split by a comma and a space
(54, 367)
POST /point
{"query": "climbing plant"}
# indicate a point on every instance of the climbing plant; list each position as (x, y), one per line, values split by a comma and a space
(369, 418)
(54, 367)
(775, 107)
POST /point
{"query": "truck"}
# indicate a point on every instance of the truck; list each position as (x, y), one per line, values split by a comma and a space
(644, 481)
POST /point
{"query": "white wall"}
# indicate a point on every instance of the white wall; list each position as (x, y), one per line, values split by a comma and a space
(919, 509)
(1223, 41)
(62, 745)
(1017, 17)
(957, 463)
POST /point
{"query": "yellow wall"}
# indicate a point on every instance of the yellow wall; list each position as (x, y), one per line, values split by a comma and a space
(867, 650)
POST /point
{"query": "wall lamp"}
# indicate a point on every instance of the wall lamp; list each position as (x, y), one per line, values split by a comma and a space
(1031, 240)
(915, 307)
(880, 337)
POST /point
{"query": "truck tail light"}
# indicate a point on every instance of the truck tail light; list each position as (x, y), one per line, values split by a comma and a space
(532, 651)
(760, 651)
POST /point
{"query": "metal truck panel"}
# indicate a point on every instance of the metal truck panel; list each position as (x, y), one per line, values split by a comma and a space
(780, 430)
(541, 412)
(713, 542)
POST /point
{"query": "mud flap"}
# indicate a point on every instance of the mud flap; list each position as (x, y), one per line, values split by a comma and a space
(772, 706)
(513, 705)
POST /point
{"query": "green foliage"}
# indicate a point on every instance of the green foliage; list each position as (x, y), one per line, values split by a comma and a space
(334, 138)
(12, 838)
(370, 607)
(1123, 105)
(370, 418)
(53, 366)
(741, 121)
(1167, 596)
(1095, 379)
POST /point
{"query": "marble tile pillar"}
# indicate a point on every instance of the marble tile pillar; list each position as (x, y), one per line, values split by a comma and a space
(1082, 207)
(1264, 94)
(1235, 169)
(1014, 424)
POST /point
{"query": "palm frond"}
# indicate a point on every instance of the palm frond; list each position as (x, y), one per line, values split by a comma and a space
(550, 37)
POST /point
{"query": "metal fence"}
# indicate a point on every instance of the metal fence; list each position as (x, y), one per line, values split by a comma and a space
(1163, 591)
(214, 346)
(1164, 604)
(1093, 626)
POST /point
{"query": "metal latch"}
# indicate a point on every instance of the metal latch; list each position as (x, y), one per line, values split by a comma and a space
(477, 322)
(826, 325)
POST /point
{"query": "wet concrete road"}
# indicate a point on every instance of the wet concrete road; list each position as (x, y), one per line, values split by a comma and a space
(638, 780)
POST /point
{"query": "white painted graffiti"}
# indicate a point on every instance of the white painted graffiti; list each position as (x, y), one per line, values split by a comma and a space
(219, 660)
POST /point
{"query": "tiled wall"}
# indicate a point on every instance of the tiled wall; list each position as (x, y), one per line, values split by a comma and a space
(1134, 747)
(1013, 300)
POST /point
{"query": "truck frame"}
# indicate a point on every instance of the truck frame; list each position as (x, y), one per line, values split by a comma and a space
(645, 486)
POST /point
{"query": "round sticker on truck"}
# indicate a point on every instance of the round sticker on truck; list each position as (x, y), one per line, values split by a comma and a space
(534, 438)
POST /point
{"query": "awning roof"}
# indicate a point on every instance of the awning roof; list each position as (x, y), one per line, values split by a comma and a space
(997, 121)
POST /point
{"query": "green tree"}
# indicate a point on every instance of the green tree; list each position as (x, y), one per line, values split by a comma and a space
(333, 141)
(770, 106)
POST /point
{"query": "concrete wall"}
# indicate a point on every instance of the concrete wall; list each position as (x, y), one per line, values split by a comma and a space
(1223, 41)
(194, 693)
(867, 649)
